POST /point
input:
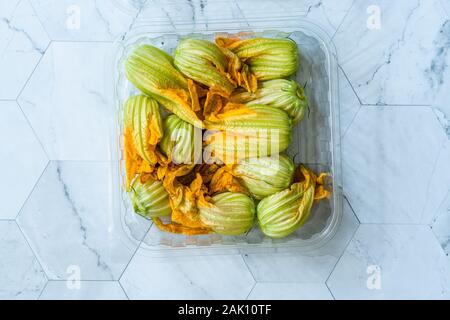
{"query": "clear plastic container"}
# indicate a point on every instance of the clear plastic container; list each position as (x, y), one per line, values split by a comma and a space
(316, 139)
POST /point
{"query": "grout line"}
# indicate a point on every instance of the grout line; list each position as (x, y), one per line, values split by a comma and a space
(249, 270)
(351, 207)
(34, 253)
(32, 190)
(251, 290)
(342, 21)
(351, 123)
(32, 72)
(134, 253)
(350, 83)
(334, 298)
(39, 19)
(42, 291)
(124, 291)
(33, 130)
(340, 257)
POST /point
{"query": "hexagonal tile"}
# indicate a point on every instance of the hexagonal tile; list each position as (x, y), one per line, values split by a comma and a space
(309, 267)
(22, 158)
(87, 290)
(392, 262)
(384, 33)
(86, 20)
(73, 224)
(349, 103)
(68, 100)
(188, 277)
(22, 276)
(290, 291)
(441, 224)
(23, 43)
(393, 171)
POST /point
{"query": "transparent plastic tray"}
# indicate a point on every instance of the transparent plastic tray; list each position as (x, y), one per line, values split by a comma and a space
(316, 141)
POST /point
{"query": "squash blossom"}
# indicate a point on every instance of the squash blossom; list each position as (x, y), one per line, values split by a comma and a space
(228, 213)
(267, 58)
(149, 199)
(205, 63)
(142, 131)
(265, 176)
(178, 141)
(279, 93)
(284, 212)
(152, 71)
(247, 132)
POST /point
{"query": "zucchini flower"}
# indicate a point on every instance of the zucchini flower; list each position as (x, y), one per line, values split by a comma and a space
(178, 141)
(185, 218)
(284, 212)
(205, 63)
(228, 213)
(142, 131)
(265, 176)
(279, 93)
(149, 199)
(267, 58)
(247, 132)
(152, 71)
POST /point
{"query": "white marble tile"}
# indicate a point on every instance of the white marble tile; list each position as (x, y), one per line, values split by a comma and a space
(21, 275)
(73, 226)
(327, 14)
(290, 291)
(392, 262)
(68, 101)
(349, 103)
(190, 277)
(23, 42)
(438, 185)
(391, 167)
(314, 266)
(87, 20)
(21, 157)
(402, 62)
(83, 290)
(441, 224)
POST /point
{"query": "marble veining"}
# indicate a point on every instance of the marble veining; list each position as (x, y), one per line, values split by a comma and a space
(70, 223)
(23, 280)
(392, 262)
(23, 42)
(57, 219)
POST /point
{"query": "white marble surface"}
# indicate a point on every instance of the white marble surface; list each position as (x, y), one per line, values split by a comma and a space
(21, 275)
(392, 166)
(70, 223)
(290, 291)
(21, 156)
(411, 265)
(23, 43)
(68, 102)
(56, 98)
(186, 278)
(84, 290)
